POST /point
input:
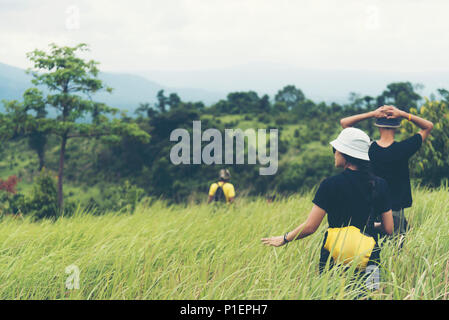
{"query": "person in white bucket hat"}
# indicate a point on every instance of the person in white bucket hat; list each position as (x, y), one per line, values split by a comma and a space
(390, 158)
(353, 142)
(351, 200)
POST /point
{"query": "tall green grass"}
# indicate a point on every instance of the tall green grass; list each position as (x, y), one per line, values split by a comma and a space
(207, 252)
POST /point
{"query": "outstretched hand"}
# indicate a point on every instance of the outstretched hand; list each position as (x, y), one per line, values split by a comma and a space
(274, 241)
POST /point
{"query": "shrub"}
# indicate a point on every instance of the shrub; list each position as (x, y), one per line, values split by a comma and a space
(9, 197)
(306, 170)
(123, 197)
(43, 202)
(282, 119)
(9, 185)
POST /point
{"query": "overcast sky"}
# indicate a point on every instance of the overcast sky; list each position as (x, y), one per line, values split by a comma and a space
(399, 35)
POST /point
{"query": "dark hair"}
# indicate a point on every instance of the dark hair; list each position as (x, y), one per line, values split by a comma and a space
(364, 166)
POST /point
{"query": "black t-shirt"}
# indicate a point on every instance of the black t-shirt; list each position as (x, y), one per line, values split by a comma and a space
(391, 164)
(346, 198)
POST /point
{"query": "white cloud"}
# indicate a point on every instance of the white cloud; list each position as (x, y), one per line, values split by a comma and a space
(198, 34)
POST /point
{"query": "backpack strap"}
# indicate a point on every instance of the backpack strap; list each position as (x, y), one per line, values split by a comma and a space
(222, 190)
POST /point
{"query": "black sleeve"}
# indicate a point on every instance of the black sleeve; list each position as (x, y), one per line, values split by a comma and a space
(383, 201)
(323, 196)
(410, 146)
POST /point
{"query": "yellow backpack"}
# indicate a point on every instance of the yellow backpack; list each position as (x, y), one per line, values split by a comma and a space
(348, 244)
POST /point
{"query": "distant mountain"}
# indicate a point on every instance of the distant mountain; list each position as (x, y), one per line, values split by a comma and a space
(129, 90)
(13, 81)
(318, 85)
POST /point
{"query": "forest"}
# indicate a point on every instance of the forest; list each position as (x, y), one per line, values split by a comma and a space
(62, 149)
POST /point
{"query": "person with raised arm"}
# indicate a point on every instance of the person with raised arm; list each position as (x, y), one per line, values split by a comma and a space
(390, 159)
(351, 200)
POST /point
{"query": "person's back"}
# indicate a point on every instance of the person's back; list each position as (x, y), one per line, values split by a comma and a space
(392, 164)
(389, 159)
(222, 190)
(348, 199)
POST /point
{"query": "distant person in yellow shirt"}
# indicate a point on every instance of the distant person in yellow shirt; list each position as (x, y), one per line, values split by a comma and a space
(222, 190)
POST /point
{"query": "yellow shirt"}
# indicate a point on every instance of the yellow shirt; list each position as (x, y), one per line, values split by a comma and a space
(228, 189)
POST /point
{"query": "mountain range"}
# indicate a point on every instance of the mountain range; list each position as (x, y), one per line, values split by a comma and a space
(129, 90)
(209, 86)
(317, 84)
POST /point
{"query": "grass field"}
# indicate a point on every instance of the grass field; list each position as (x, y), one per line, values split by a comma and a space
(197, 252)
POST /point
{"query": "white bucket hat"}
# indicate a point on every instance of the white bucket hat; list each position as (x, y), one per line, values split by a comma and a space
(352, 142)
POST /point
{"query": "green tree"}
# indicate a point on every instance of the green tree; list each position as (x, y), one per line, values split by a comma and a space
(71, 81)
(431, 163)
(162, 101)
(308, 169)
(37, 139)
(444, 94)
(145, 110)
(173, 100)
(290, 95)
(18, 123)
(243, 102)
(400, 94)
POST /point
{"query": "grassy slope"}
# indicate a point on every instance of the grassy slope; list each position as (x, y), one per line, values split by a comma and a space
(192, 252)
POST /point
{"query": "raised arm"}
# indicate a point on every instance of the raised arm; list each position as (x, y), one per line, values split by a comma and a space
(425, 125)
(352, 120)
(312, 223)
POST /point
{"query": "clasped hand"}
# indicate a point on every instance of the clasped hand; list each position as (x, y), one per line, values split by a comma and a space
(387, 111)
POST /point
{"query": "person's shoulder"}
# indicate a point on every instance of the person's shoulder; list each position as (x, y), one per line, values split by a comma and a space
(228, 185)
(373, 145)
(373, 149)
(327, 190)
(213, 186)
(376, 148)
(409, 146)
(416, 138)
(333, 180)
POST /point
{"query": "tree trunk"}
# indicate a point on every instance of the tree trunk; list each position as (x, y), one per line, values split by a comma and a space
(61, 173)
(41, 155)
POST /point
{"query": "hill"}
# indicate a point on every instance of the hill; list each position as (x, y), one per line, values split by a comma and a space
(129, 90)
